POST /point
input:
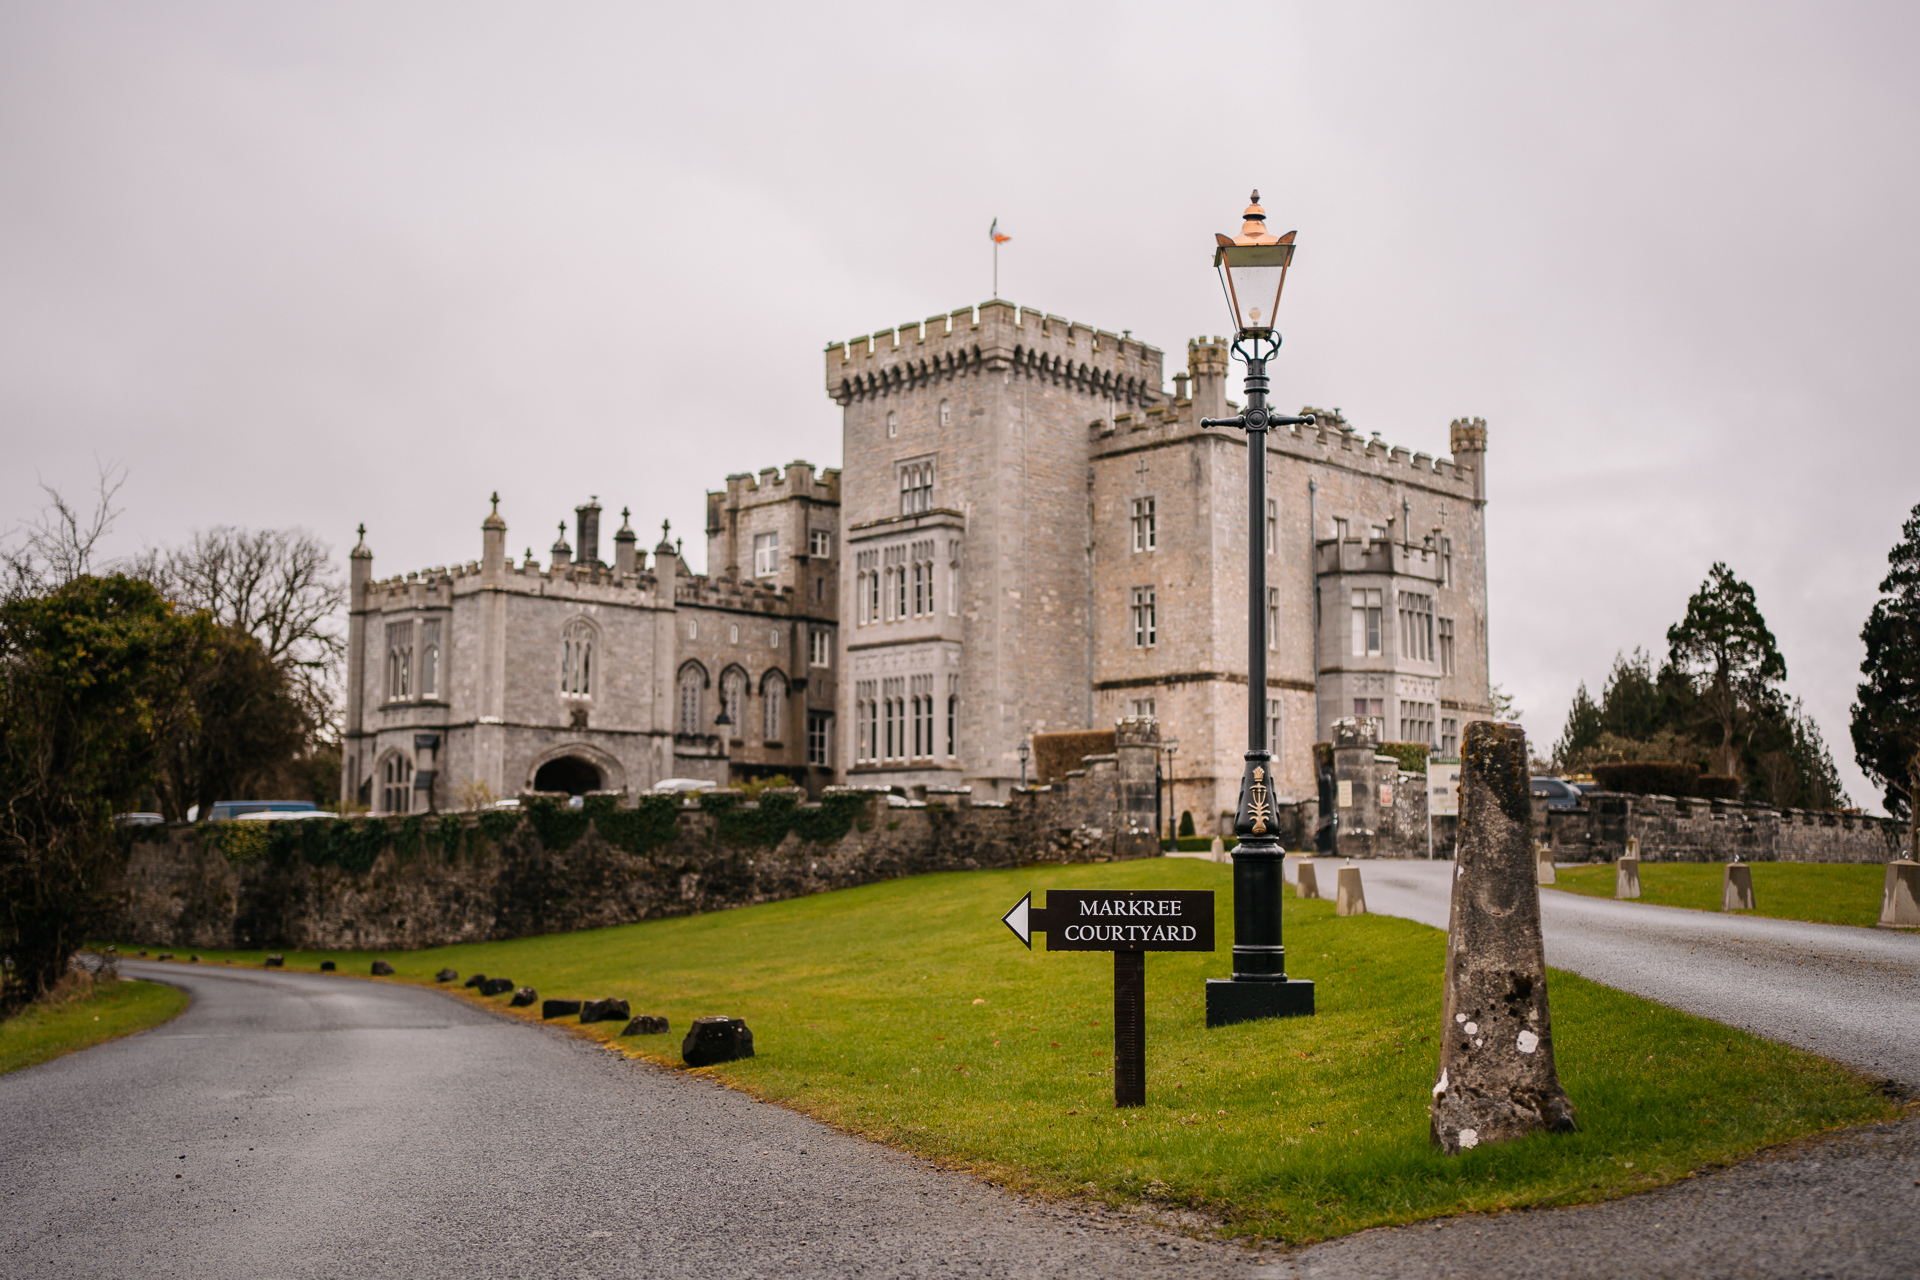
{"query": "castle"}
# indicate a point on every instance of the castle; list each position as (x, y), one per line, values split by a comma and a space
(1029, 535)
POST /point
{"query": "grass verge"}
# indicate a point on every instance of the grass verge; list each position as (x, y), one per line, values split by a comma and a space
(906, 1013)
(1820, 892)
(108, 1011)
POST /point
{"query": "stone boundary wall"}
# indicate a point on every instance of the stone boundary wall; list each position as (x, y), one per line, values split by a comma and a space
(405, 883)
(1684, 830)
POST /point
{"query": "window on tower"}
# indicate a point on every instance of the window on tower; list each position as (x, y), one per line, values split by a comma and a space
(1146, 531)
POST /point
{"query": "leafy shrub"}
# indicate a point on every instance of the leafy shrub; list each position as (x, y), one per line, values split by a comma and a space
(1186, 822)
(1411, 755)
(1648, 777)
(1717, 786)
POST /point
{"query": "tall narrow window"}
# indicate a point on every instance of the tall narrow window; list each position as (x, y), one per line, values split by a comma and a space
(953, 579)
(733, 633)
(820, 543)
(1446, 646)
(397, 789)
(692, 684)
(1366, 622)
(693, 628)
(894, 709)
(946, 414)
(893, 424)
(1273, 525)
(430, 658)
(820, 647)
(1146, 531)
(1449, 737)
(1416, 627)
(922, 717)
(576, 659)
(1446, 562)
(953, 716)
(1144, 622)
(1273, 727)
(866, 726)
(766, 554)
(773, 710)
(399, 660)
(916, 487)
(733, 697)
(1273, 617)
(867, 585)
(819, 736)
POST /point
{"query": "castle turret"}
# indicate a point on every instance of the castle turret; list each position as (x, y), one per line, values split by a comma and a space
(562, 553)
(625, 547)
(587, 526)
(1468, 440)
(1207, 362)
(493, 543)
(666, 562)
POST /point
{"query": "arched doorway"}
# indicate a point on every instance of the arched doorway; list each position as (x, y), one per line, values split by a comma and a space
(570, 774)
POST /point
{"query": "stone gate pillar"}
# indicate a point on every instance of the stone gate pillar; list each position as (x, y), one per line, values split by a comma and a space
(1356, 779)
(1136, 808)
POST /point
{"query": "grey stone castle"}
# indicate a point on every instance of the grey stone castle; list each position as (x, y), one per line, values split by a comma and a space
(1038, 539)
(1029, 535)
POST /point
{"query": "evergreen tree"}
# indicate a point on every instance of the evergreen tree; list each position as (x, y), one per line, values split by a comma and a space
(1886, 719)
(1728, 655)
(1582, 734)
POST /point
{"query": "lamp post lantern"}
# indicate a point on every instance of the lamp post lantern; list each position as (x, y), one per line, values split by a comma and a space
(1253, 271)
(1025, 750)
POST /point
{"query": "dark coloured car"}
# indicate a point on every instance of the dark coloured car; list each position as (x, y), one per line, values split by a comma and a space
(1558, 793)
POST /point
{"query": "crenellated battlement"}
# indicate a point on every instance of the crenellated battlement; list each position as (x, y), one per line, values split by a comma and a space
(995, 336)
(799, 479)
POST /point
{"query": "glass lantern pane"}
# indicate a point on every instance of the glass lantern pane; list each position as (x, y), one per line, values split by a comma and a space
(1256, 291)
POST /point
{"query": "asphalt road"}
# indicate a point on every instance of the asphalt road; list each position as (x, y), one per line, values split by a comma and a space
(1851, 994)
(309, 1125)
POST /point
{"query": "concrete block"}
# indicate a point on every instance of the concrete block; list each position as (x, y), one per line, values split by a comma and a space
(1736, 888)
(1497, 1080)
(1305, 885)
(1626, 878)
(1350, 899)
(1543, 865)
(1900, 900)
(1219, 850)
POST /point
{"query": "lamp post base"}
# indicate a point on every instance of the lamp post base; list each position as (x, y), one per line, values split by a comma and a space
(1230, 1001)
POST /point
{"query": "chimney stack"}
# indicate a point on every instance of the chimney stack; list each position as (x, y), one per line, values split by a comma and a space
(587, 531)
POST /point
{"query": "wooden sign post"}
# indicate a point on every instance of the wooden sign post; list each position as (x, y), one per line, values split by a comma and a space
(1129, 923)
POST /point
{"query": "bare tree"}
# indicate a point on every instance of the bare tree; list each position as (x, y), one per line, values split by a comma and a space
(279, 585)
(58, 546)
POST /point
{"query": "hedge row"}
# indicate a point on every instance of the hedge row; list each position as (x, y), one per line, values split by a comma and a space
(1666, 778)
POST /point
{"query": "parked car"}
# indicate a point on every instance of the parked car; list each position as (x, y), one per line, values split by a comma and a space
(137, 819)
(673, 786)
(1558, 792)
(229, 809)
(283, 815)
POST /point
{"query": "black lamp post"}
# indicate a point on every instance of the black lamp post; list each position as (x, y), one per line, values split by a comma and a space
(1170, 746)
(1253, 271)
(1025, 750)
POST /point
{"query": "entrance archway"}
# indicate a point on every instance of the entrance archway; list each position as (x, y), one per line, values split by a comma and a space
(570, 774)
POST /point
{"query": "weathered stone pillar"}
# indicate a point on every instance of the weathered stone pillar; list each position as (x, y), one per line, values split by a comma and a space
(1355, 782)
(1305, 883)
(1497, 1079)
(1136, 804)
(1626, 878)
(1736, 887)
(1543, 865)
(1900, 900)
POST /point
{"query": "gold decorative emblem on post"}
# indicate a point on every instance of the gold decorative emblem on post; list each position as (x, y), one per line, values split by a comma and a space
(1257, 810)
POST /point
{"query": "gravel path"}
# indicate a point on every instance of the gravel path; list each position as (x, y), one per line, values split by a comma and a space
(296, 1125)
(1850, 994)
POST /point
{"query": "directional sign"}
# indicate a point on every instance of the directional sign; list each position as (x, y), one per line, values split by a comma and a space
(1129, 923)
(1117, 920)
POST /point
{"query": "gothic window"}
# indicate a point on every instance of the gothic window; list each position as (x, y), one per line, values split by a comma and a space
(733, 699)
(430, 658)
(693, 628)
(1416, 722)
(953, 579)
(773, 708)
(766, 554)
(1449, 737)
(893, 424)
(953, 716)
(865, 723)
(922, 717)
(819, 736)
(693, 683)
(773, 638)
(396, 789)
(733, 633)
(399, 661)
(916, 487)
(1416, 627)
(866, 586)
(577, 643)
(1446, 646)
(1366, 622)
(894, 705)
(820, 647)
(1144, 622)
(1146, 530)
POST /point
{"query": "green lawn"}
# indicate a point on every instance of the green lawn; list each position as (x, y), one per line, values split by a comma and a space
(1823, 892)
(907, 1013)
(120, 1009)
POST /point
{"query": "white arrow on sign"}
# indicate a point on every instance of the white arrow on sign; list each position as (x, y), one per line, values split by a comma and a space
(1016, 920)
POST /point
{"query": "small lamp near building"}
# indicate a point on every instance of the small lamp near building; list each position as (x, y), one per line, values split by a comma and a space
(1253, 272)
(1025, 751)
(1170, 746)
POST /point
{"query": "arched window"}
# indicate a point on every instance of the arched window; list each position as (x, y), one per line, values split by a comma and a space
(399, 661)
(733, 698)
(773, 708)
(577, 643)
(396, 790)
(430, 658)
(946, 414)
(693, 683)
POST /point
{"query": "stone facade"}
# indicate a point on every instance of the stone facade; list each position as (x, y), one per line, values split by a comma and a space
(1039, 539)
(496, 677)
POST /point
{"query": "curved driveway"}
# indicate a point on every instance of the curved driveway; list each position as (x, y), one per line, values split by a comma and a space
(308, 1125)
(1850, 994)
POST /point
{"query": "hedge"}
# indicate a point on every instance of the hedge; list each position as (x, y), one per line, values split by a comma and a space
(1411, 755)
(1648, 777)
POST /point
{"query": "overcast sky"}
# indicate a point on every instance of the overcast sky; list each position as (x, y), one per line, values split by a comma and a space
(330, 263)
